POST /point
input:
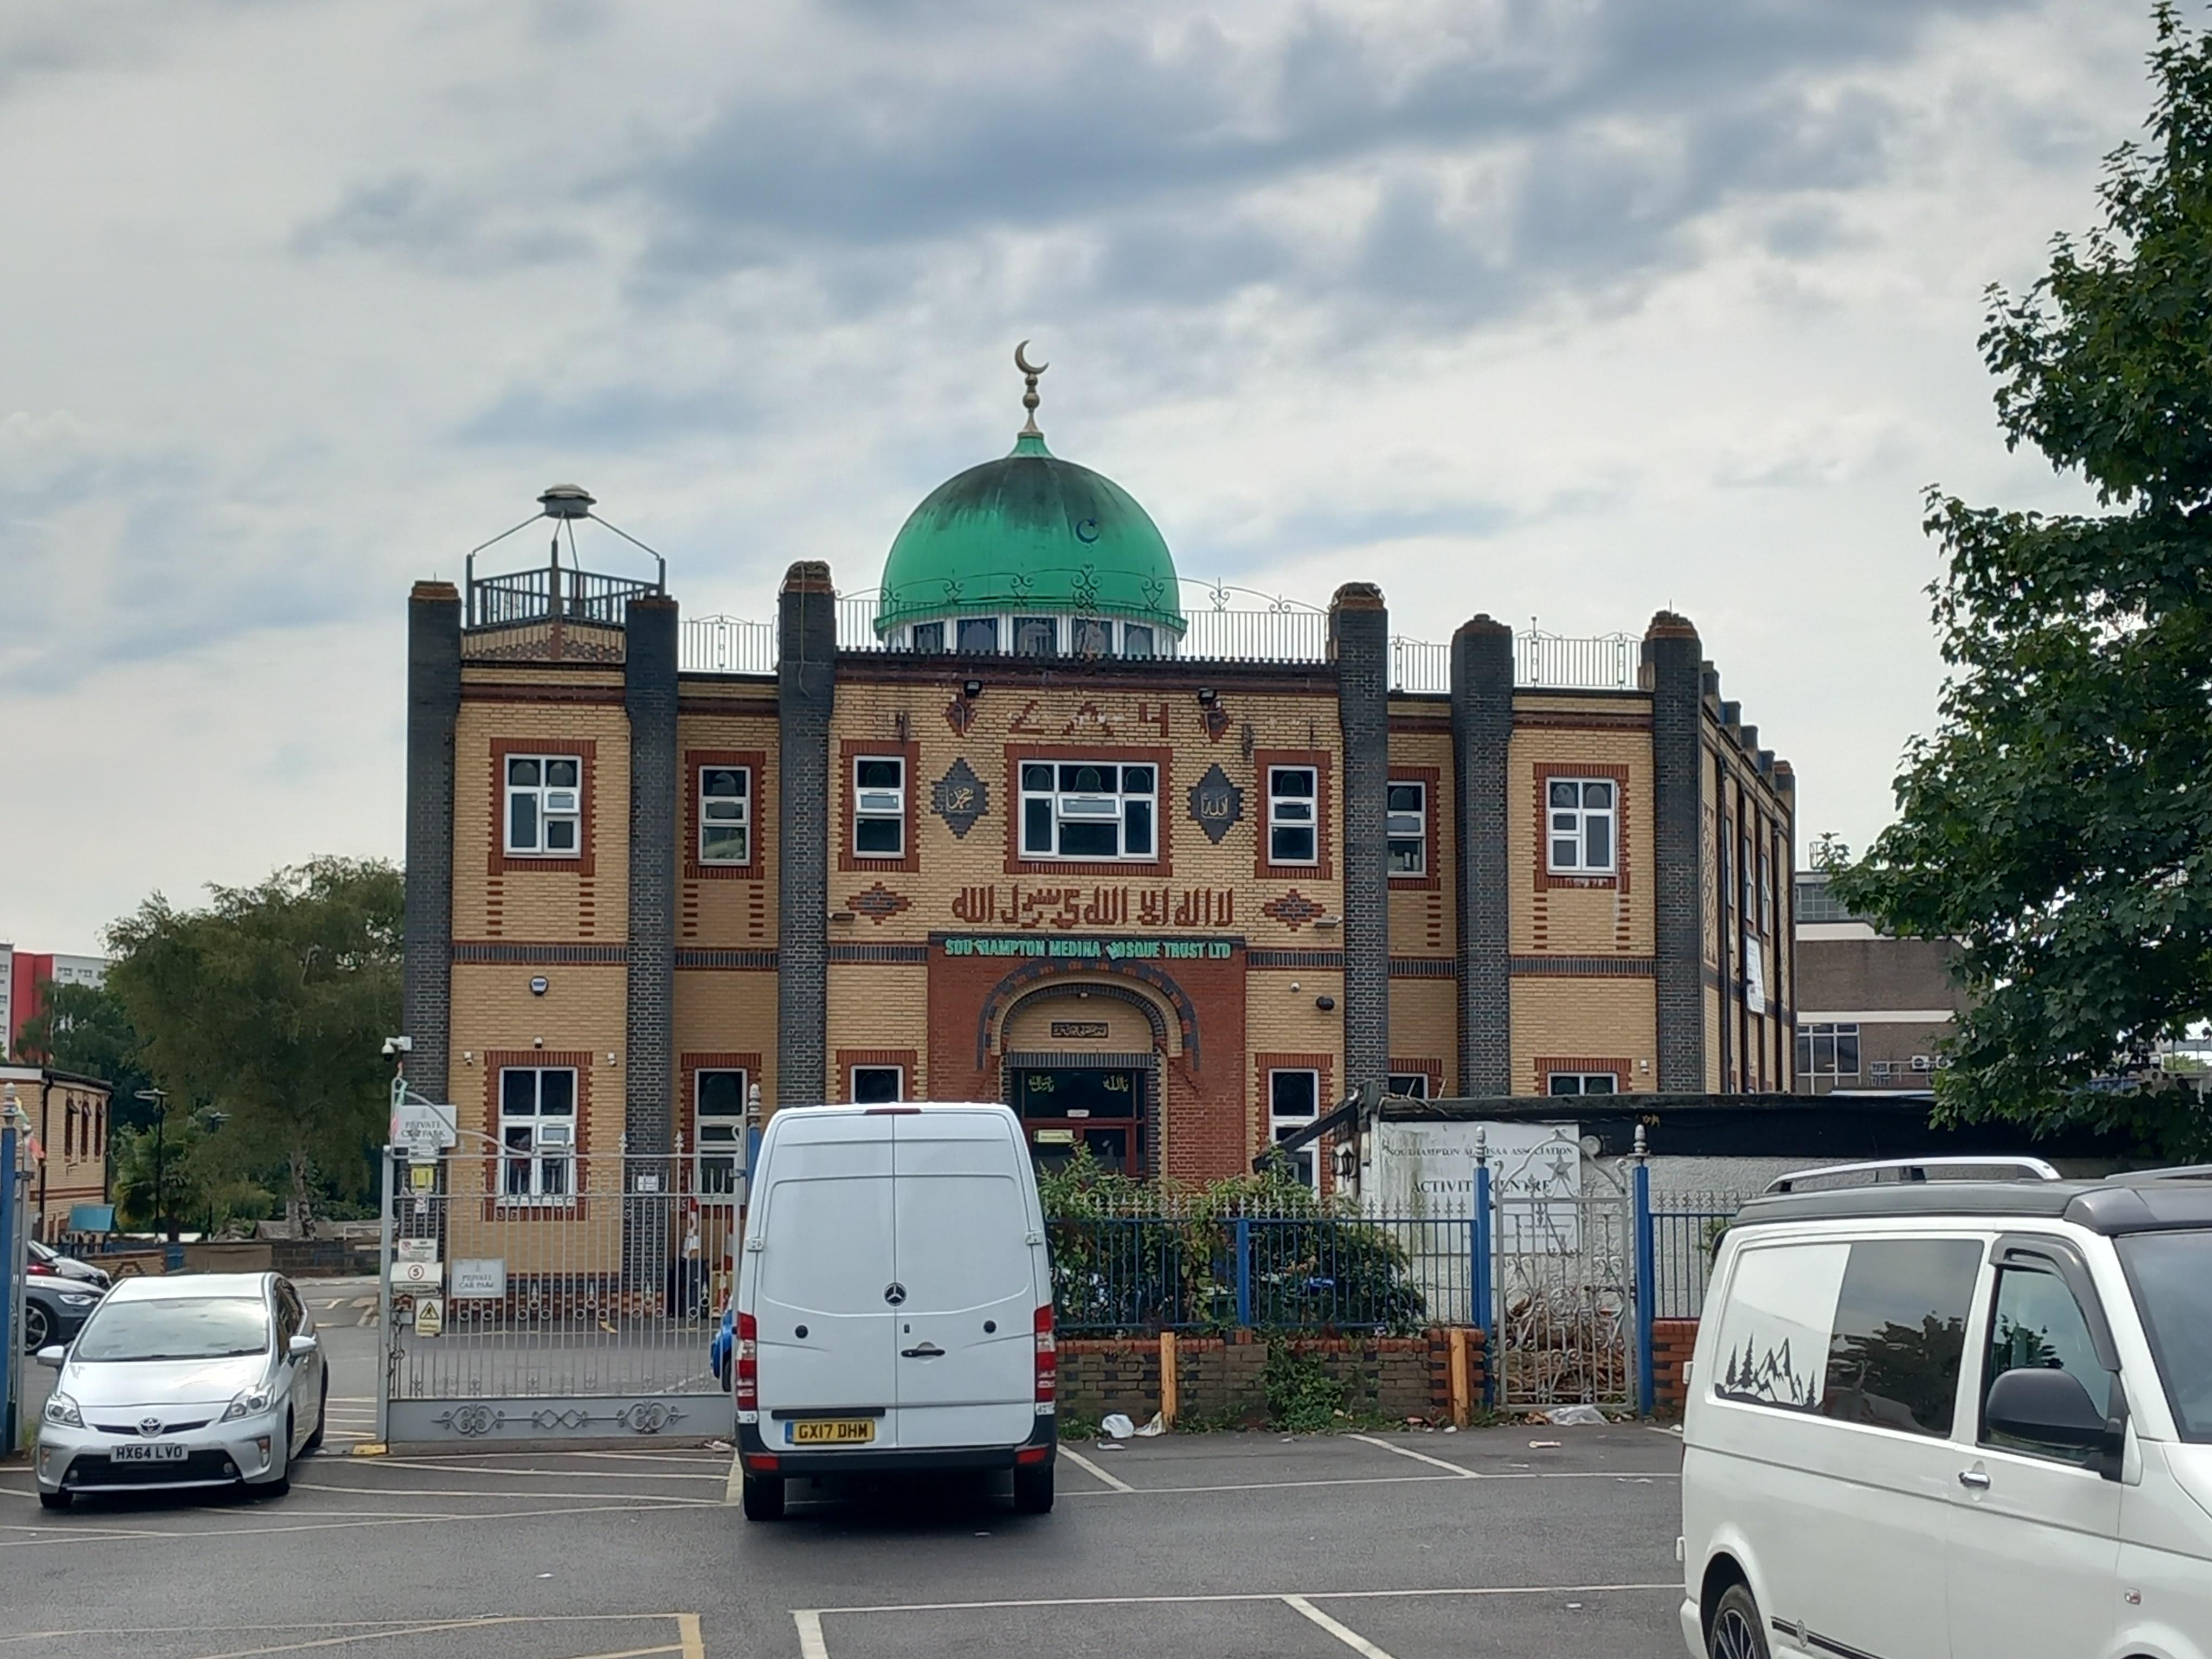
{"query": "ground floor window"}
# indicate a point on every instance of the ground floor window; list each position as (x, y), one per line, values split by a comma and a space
(1581, 1083)
(1409, 1085)
(721, 1128)
(536, 1131)
(1293, 1103)
(877, 1086)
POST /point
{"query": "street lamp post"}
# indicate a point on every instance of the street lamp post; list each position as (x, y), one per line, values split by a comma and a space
(159, 1097)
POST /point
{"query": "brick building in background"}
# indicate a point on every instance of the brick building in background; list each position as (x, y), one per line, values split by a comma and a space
(1874, 1009)
(24, 976)
(68, 1117)
(1019, 826)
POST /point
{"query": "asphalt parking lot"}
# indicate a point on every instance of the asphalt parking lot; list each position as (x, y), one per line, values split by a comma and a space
(1403, 1545)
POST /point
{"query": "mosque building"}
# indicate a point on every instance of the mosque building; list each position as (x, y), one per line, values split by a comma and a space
(1039, 821)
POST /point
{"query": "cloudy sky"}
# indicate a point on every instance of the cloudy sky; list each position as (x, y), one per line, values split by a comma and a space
(1562, 310)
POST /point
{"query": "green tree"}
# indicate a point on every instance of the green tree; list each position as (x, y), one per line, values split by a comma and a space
(268, 1007)
(2058, 824)
(84, 1028)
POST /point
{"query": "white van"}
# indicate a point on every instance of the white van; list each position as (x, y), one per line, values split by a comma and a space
(894, 1306)
(1950, 1419)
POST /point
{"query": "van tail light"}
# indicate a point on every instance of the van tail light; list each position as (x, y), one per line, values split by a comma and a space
(748, 1362)
(1047, 1357)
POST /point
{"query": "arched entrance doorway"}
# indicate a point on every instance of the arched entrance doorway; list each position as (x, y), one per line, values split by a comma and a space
(1081, 1065)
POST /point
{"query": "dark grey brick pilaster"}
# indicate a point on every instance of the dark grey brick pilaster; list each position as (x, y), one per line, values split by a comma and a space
(649, 696)
(1482, 733)
(1359, 640)
(1677, 679)
(806, 690)
(434, 708)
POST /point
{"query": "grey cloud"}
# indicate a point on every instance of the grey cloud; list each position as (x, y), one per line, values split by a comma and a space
(407, 216)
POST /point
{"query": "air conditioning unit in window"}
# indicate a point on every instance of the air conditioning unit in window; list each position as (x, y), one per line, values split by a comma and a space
(885, 801)
(556, 1137)
(1089, 807)
(1921, 1063)
(1402, 823)
(561, 800)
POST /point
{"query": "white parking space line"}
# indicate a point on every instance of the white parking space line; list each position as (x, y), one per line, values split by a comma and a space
(809, 1636)
(1483, 1591)
(733, 1486)
(1460, 1469)
(1092, 1468)
(448, 1466)
(1351, 1638)
(496, 1497)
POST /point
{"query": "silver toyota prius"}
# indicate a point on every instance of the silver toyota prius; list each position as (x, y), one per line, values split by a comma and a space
(204, 1380)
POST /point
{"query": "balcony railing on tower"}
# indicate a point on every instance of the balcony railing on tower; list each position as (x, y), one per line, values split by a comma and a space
(559, 592)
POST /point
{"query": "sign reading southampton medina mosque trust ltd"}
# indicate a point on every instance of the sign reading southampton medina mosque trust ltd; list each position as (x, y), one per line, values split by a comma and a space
(1096, 950)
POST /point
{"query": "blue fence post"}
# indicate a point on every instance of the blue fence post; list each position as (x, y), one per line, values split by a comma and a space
(1481, 1244)
(1647, 1287)
(1244, 1272)
(11, 1356)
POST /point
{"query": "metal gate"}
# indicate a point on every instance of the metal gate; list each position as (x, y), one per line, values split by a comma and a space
(546, 1294)
(1564, 1247)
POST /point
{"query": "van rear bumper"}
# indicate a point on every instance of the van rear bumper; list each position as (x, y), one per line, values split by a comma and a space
(892, 1460)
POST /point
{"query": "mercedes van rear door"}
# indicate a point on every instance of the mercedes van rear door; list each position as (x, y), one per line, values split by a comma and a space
(824, 1307)
(966, 1349)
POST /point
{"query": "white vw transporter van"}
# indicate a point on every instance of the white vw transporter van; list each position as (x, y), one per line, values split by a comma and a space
(1942, 1418)
(894, 1306)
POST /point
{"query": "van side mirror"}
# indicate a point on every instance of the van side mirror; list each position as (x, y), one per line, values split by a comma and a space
(2049, 1407)
(301, 1346)
(52, 1358)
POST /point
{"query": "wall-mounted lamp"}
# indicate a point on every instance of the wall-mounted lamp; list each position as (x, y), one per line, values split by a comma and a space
(1325, 1003)
(1207, 696)
(1329, 921)
(971, 690)
(610, 1056)
(468, 1057)
(841, 916)
(1294, 987)
(539, 984)
(1347, 1162)
(537, 1043)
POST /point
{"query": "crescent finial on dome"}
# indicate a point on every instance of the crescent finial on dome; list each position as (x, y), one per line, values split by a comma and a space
(1029, 372)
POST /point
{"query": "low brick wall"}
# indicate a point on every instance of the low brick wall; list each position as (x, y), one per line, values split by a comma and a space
(1672, 1340)
(1223, 1378)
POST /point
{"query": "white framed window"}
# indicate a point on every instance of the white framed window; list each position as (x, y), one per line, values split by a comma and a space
(1293, 815)
(1581, 1083)
(1828, 1051)
(1409, 1085)
(1088, 809)
(1749, 864)
(1582, 813)
(978, 633)
(878, 806)
(878, 1085)
(1036, 636)
(544, 805)
(537, 1132)
(1089, 636)
(1765, 891)
(1293, 1103)
(1406, 827)
(726, 815)
(1137, 639)
(719, 1099)
(929, 636)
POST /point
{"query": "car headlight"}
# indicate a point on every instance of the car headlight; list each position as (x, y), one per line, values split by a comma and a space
(250, 1403)
(61, 1409)
(77, 1299)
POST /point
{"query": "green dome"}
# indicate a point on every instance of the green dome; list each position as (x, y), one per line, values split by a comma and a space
(1030, 532)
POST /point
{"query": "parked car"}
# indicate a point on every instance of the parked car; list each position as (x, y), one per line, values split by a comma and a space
(1952, 1419)
(205, 1380)
(894, 1303)
(45, 1261)
(54, 1308)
